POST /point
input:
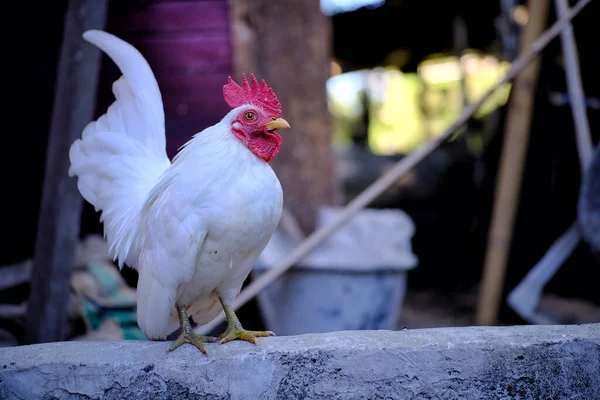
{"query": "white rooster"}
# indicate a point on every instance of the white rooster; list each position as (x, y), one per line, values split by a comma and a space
(194, 227)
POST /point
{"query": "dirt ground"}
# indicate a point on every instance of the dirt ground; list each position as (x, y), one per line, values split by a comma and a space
(431, 309)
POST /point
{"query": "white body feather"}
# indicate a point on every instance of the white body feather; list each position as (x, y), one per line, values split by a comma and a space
(192, 228)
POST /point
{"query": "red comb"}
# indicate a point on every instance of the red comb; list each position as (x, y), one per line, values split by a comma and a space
(260, 95)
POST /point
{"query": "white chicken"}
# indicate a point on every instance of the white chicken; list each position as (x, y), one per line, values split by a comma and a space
(194, 227)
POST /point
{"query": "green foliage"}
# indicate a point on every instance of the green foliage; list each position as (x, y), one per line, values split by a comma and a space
(407, 109)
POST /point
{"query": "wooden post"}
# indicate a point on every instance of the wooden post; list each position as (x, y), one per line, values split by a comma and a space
(520, 110)
(58, 227)
(287, 43)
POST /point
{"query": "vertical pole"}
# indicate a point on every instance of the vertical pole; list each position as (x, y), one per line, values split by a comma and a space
(60, 211)
(520, 110)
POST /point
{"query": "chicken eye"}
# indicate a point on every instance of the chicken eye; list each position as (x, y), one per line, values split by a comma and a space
(250, 116)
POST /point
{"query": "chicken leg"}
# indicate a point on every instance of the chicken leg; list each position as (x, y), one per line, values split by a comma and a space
(235, 331)
(188, 335)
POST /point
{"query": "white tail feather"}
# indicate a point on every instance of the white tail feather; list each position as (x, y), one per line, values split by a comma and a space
(122, 155)
(156, 315)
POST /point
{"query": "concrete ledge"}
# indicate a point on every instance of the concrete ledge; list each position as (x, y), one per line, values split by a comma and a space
(528, 362)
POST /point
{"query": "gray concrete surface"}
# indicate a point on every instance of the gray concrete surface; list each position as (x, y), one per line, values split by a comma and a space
(529, 362)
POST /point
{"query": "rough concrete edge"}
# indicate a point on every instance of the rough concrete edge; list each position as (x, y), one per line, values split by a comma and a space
(505, 335)
(476, 358)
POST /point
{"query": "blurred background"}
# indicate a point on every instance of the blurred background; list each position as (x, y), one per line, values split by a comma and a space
(364, 83)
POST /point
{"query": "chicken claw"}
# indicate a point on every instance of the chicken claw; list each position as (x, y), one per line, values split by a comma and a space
(235, 331)
(188, 335)
(242, 334)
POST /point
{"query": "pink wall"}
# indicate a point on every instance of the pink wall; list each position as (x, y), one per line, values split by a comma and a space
(187, 44)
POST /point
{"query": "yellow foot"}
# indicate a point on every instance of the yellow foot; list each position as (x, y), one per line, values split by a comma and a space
(242, 334)
(191, 337)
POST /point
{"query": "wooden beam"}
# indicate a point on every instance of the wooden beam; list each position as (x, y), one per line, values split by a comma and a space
(58, 227)
(288, 43)
(512, 162)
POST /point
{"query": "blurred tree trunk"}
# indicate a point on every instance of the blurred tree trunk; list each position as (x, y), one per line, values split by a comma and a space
(287, 42)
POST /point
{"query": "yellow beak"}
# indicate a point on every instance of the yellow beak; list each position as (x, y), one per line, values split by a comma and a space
(279, 123)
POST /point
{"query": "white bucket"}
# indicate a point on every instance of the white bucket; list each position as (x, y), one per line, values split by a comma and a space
(356, 280)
